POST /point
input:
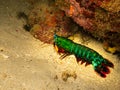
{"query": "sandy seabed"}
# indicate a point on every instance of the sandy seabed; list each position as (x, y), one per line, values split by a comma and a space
(28, 64)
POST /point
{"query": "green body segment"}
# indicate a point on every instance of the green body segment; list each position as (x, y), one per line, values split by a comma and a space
(80, 51)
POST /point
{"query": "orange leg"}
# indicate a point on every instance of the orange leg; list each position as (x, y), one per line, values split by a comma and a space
(61, 50)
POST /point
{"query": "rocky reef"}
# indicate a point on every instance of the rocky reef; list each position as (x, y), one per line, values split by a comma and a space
(101, 18)
(45, 19)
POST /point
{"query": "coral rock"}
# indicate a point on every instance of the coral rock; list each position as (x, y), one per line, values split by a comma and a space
(98, 17)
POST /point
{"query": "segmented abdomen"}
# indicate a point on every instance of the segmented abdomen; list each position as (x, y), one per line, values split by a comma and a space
(84, 52)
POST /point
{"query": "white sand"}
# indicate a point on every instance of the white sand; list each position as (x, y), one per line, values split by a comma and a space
(28, 64)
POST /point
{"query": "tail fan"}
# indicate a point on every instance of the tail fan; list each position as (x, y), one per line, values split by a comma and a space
(104, 69)
(108, 63)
